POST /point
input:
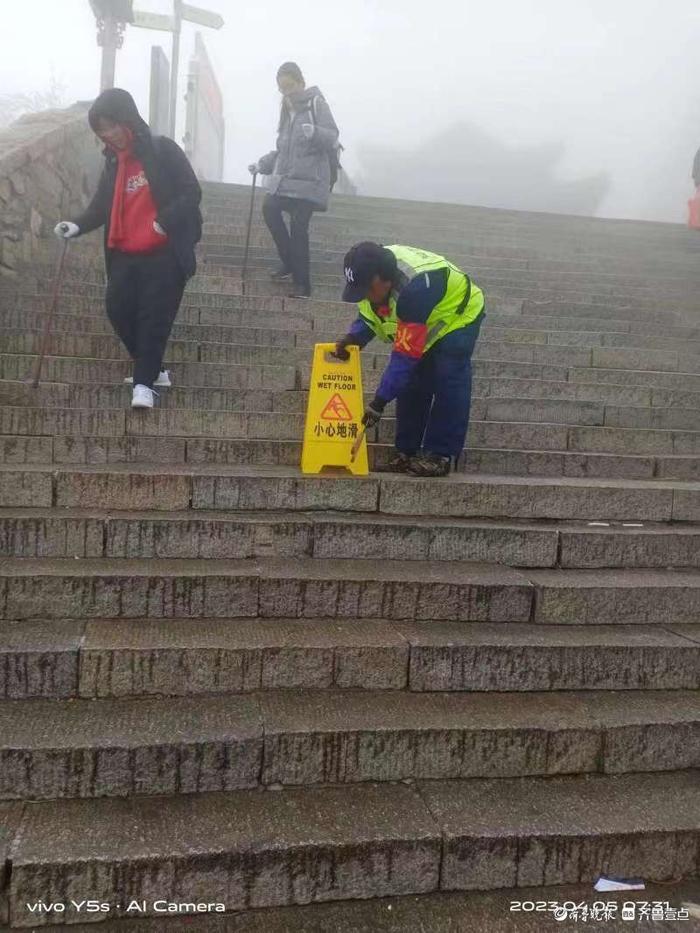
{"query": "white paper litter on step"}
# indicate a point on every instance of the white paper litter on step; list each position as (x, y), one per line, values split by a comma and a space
(605, 883)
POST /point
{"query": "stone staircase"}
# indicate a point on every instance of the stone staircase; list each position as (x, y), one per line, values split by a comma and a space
(226, 682)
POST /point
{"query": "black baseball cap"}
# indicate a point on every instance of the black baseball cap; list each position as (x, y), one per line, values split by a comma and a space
(361, 264)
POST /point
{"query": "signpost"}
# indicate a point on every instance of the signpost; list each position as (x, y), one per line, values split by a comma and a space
(154, 21)
(159, 99)
(112, 17)
(192, 14)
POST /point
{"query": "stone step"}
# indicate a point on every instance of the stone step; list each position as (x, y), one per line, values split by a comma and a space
(107, 347)
(537, 286)
(33, 589)
(97, 326)
(527, 400)
(230, 310)
(82, 450)
(19, 368)
(173, 488)
(446, 912)
(282, 313)
(682, 387)
(330, 246)
(23, 421)
(373, 841)
(119, 747)
(60, 659)
(311, 588)
(87, 532)
(643, 305)
(264, 414)
(326, 268)
(620, 286)
(277, 328)
(339, 233)
(224, 293)
(571, 828)
(256, 849)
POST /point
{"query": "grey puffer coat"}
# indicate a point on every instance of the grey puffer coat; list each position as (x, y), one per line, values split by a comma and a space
(300, 167)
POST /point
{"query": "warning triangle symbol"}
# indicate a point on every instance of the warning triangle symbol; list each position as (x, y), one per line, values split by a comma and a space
(336, 410)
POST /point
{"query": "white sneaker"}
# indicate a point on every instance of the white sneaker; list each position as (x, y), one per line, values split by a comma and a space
(163, 380)
(143, 397)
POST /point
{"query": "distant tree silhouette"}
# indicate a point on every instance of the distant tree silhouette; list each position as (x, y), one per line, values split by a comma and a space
(465, 165)
(13, 106)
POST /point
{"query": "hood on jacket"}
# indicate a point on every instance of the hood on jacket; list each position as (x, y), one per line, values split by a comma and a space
(119, 106)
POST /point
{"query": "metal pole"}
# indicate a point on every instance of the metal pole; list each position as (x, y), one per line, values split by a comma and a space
(109, 53)
(175, 64)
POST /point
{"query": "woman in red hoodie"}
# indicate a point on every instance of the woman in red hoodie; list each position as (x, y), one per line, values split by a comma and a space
(148, 202)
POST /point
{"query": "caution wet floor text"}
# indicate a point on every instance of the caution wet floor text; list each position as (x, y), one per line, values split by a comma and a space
(334, 413)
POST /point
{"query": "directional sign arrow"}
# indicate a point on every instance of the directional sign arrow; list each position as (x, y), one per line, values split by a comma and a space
(154, 21)
(194, 14)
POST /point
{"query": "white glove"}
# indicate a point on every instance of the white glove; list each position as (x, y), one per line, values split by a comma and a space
(254, 168)
(65, 230)
(157, 227)
(308, 129)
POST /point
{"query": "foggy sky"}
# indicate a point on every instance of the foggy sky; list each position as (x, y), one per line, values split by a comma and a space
(618, 81)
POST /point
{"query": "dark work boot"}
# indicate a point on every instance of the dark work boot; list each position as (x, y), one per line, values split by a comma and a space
(428, 464)
(397, 463)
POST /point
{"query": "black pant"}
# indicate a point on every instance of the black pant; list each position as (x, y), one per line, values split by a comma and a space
(143, 297)
(293, 244)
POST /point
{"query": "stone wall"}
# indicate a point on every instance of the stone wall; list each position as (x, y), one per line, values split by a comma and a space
(48, 167)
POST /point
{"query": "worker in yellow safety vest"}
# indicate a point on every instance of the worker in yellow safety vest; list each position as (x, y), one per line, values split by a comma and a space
(432, 313)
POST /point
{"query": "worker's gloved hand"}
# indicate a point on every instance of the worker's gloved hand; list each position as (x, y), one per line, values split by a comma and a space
(373, 413)
(308, 129)
(157, 227)
(66, 230)
(341, 351)
(254, 168)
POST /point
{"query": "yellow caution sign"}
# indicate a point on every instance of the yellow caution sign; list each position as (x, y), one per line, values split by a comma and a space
(333, 435)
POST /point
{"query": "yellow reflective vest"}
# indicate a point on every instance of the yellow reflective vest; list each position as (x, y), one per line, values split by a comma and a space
(461, 304)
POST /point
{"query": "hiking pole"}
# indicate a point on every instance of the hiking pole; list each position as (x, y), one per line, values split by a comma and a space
(46, 335)
(244, 270)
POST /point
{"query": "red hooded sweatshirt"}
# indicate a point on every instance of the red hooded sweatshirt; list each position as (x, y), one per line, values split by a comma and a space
(133, 208)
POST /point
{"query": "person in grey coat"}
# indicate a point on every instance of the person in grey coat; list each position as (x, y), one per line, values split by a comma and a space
(300, 173)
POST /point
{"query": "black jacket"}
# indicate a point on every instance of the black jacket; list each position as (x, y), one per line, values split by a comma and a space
(174, 185)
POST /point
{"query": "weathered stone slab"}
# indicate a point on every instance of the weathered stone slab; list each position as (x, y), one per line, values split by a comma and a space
(285, 492)
(175, 657)
(483, 657)
(627, 597)
(20, 488)
(393, 590)
(39, 659)
(126, 589)
(527, 498)
(123, 747)
(317, 737)
(243, 849)
(123, 490)
(563, 830)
